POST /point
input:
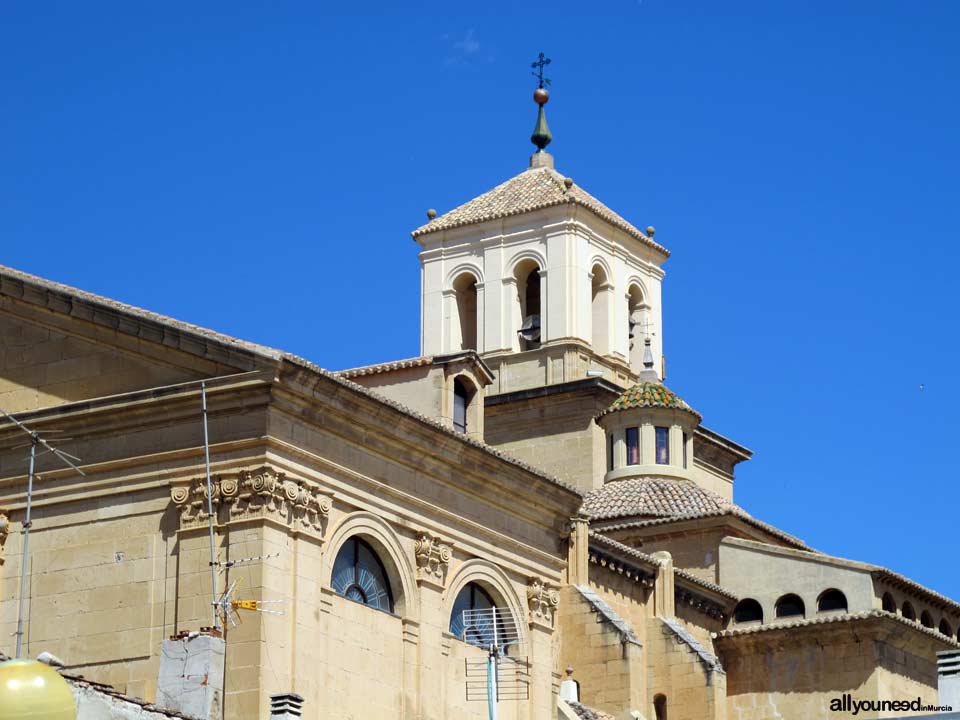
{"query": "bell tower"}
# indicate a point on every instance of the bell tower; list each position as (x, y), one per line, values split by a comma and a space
(543, 280)
(557, 293)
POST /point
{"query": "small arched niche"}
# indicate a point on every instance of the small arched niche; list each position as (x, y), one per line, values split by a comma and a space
(888, 603)
(464, 330)
(907, 611)
(832, 601)
(660, 707)
(790, 605)
(748, 610)
(926, 619)
(600, 310)
(529, 300)
(944, 628)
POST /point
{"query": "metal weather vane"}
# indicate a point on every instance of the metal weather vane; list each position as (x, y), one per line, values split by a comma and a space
(539, 64)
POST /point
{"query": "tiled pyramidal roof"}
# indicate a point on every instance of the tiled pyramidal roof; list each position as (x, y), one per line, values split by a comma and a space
(649, 394)
(533, 189)
(652, 497)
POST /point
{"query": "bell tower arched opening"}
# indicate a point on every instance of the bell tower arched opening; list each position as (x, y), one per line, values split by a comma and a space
(529, 299)
(600, 310)
(464, 330)
(637, 321)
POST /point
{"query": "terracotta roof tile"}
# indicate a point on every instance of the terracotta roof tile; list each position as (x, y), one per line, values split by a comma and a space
(533, 189)
(834, 619)
(651, 497)
(585, 713)
(649, 394)
(386, 367)
(733, 511)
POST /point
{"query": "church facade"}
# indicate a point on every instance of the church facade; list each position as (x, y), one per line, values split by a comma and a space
(528, 482)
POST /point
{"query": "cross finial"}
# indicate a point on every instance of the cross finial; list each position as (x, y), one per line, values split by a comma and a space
(539, 64)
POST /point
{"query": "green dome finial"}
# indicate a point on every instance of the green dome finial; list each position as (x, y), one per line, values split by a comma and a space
(541, 133)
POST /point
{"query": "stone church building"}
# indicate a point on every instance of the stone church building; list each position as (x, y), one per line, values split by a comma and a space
(529, 467)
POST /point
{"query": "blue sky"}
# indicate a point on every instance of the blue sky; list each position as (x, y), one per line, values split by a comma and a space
(257, 167)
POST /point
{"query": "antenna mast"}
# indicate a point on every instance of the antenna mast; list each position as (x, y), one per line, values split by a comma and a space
(213, 558)
(35, 440)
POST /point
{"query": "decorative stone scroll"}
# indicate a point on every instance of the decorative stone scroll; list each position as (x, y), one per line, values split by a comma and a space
(543, 599)
(251, 494)
(433, 558)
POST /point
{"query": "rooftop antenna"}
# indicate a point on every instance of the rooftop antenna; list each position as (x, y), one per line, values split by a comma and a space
(213, 558)
(66, 458)
(228, 608)
(502, 675)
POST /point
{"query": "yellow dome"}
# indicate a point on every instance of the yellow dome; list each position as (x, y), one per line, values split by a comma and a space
(30, 690)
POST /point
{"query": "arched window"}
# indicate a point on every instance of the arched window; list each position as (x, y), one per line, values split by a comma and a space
(748, 610)
(481, 632)
(945, 628)
(660, 707)
(600, 311)
(359, 575)
(461, 402)
(465, 287)
(636, 318)
(831, 600)
(908, 612)
(926, 619)
(790, 606)
(888, 603)
(528, 296)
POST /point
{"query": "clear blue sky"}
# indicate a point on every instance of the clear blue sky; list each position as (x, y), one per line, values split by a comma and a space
(256, 168)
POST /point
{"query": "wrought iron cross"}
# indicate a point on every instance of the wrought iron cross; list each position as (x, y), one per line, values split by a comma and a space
(540, 63)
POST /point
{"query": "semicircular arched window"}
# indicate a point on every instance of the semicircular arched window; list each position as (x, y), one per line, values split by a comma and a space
(926, 619)
(479, 631)
(832, 600)
(908, 612)
(790, 606)
(888, 603)
(748, 610)
(359, 575)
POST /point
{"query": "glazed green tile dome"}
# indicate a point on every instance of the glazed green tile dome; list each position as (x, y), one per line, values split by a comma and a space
(649, 394)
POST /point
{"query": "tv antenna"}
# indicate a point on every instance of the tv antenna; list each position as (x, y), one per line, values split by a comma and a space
(35, 441)
(503, 674)
(227, 607)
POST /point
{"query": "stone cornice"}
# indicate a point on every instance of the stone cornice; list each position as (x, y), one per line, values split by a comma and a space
(254, 494)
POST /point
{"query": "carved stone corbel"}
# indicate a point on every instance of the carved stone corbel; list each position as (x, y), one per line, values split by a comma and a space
(260, 493)
(543, 599)
(433, 558)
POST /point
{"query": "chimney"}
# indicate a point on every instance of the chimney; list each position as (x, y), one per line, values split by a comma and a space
(191, 674)
(286, 706)
(948, 678)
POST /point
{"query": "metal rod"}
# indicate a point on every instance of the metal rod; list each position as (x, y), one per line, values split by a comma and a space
(24, 556)
(492, 672)
(213, 558)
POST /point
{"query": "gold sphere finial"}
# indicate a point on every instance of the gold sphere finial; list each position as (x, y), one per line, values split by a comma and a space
(431, 214)
(541, 96)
